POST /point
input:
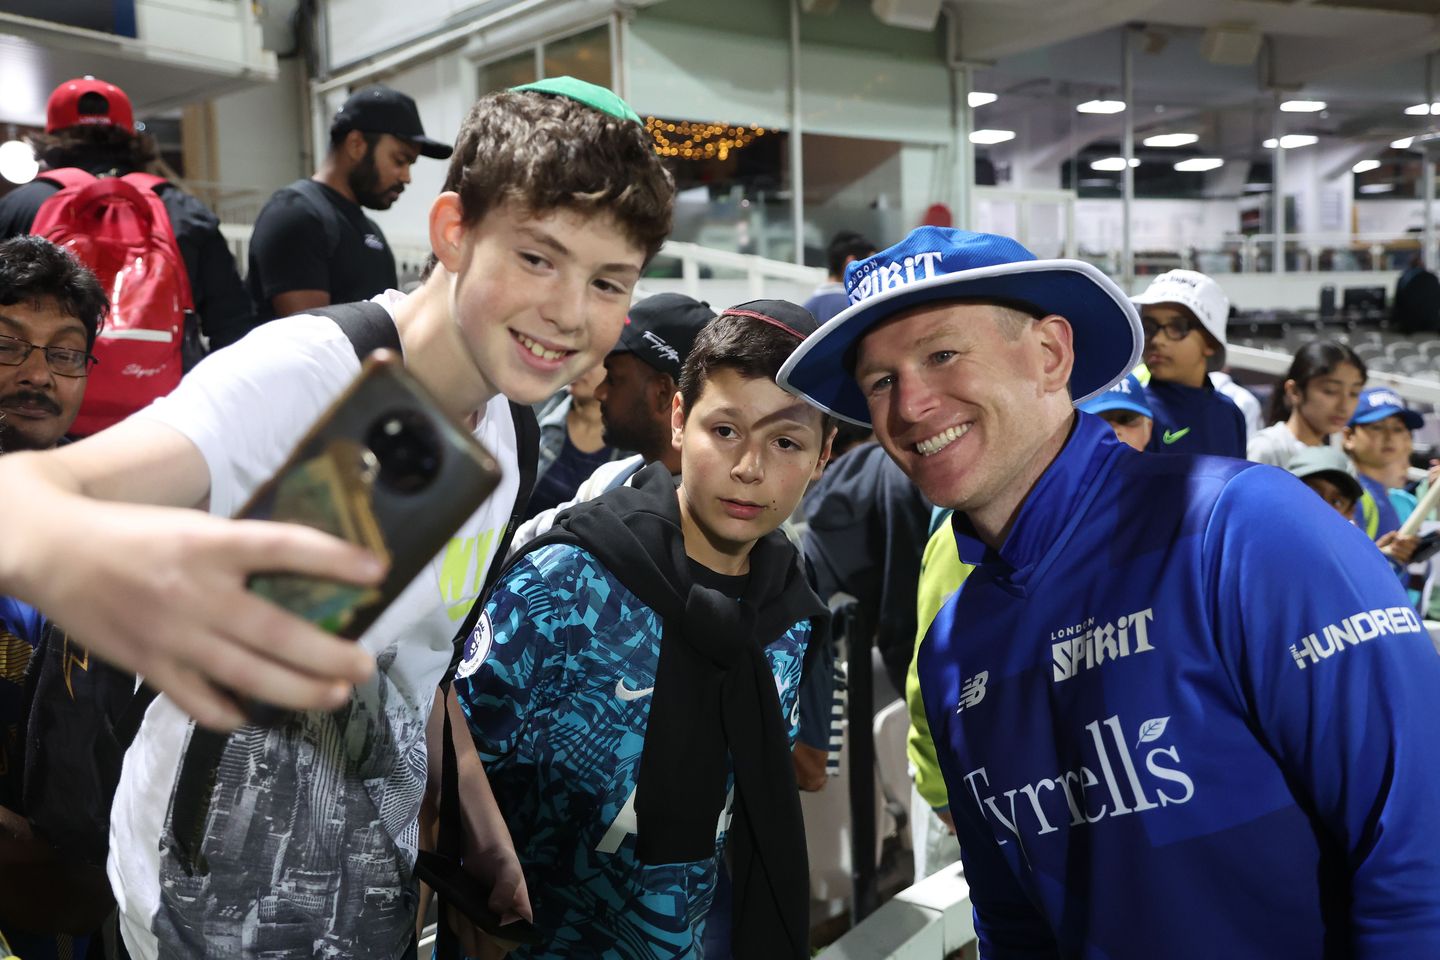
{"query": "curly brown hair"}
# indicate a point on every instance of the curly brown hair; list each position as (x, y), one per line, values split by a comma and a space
(546, 152)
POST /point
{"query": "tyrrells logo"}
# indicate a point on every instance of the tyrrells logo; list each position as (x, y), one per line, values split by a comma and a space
(878, 277)
(661, 347)
(1335, 638)
(1086, 645)
(1123, 779)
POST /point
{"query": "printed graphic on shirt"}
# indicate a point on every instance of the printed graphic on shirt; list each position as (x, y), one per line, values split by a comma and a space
(1336, 638)
(309, 836)
(1173, 435)
(1085, 646)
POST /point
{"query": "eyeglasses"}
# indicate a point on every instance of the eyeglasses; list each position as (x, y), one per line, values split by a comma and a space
(1174, 330)
(61, 360)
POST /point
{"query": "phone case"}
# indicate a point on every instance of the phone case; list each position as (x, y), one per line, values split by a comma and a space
(385, 468)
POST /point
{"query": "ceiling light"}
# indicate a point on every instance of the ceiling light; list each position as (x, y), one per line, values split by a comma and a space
(1292, 140)
(1422, 109)
(1171, 140)
(991, 136)
(1303, 106)
(17, 162)
(1377, 187)
(1257, 188)
(1112, 164)
(1101, 106)
(1199, 164)
(1403, 143)
(978, 99)
(1365, 166)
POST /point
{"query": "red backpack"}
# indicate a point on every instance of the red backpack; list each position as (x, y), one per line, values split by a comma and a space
(118, 227)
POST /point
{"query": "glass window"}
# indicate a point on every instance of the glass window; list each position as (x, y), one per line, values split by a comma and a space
(585, 56)
(508, 72)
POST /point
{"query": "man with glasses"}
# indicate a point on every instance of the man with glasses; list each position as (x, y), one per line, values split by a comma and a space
(1183, 316)
(51, 308)
(50, 312)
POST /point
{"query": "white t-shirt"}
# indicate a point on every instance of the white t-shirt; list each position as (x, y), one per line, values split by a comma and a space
(1247, 402)
(1275, 445)
(311, 829)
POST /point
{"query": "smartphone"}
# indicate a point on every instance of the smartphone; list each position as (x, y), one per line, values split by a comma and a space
(1428, 546)
(460, 890)
(384, 467)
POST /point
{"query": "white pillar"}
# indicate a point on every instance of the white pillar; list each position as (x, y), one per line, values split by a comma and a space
(1127, 176)
(1277, 194)
(962, 122)
(797, 165)
(1427, 173)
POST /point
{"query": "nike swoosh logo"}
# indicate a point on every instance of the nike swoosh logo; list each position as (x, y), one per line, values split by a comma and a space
(625, 693)
(1172, 435)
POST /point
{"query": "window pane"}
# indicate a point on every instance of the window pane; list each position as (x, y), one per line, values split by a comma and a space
(585, 56)
(508, 72)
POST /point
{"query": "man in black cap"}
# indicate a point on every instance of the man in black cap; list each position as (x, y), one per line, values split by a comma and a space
(312, 244)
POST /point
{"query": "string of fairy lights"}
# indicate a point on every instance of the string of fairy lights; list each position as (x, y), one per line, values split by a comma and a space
(691, 140)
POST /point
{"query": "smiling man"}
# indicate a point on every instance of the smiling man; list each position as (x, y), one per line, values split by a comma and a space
(313, 244)
(1158, 740)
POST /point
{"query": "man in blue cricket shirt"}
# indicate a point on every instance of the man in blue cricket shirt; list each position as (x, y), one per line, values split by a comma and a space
(1183, 316)
(1181, 707)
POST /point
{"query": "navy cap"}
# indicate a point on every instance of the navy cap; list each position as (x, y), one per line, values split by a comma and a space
(939, 263)
(1377, 403)
(660, 330)
(379, 109)
(790, 317)
(1125, 395)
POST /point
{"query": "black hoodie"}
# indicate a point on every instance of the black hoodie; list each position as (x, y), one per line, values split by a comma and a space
(714, 704)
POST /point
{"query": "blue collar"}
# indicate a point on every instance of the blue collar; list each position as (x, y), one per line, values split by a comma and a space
(1052, 510)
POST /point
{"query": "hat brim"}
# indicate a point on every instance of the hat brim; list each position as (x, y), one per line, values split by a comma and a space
(1106, 326)
(433, 149)
(1410, 418)
(1348, 485)
(1099, 405)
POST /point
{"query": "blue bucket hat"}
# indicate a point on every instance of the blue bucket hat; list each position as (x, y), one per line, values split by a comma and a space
(1124, 395)
(1377, 403)
(939, 263)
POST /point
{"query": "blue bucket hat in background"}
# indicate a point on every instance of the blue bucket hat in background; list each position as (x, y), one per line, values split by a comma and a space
(939, 263)
(1377, 403)
(1127, 394)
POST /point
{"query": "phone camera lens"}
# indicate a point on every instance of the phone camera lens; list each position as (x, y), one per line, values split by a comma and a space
(408, 450)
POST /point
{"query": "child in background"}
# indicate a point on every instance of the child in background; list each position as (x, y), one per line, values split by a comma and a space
(1123, 407)
(1314, 401)
(1183, 314)
(1326, 471)
(619, 821)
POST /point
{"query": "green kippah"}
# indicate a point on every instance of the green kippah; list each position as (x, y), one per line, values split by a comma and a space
(602, 99)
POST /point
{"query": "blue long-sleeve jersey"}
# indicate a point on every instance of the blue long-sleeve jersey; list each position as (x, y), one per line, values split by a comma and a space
(1186, 711)
(1195, 420)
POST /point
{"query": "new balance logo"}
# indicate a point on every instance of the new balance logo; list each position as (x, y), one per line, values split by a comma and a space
(973, 690)
(625, 693)
(1334, 638)
(1086, 645)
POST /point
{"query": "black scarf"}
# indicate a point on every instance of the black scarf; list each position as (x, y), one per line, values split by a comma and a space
(714, 697)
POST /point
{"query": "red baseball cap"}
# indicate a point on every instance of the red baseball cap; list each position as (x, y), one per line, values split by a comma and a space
(112, 108)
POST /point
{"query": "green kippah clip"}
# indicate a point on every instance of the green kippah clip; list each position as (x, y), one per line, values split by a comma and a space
(592, 95)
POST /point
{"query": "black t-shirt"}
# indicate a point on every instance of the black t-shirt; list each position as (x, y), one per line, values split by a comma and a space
(564, 476)
(730, 586)
(220, 298)
(309, 237)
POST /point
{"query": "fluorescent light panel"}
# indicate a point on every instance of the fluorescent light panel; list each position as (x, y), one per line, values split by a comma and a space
(1422, 110)
(1171, 140)
(1112, 164)
(991, 136)
(1302, 106)
(978, 99)
(1377, 187)
(1365, 166)
(1292, 140)
(1199, 164)
(1101, 106)
(1403, 143)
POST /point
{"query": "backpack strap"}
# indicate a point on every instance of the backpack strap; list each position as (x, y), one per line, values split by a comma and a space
(367, 324)
(66, 177)
(450, 840)
(314, 196)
